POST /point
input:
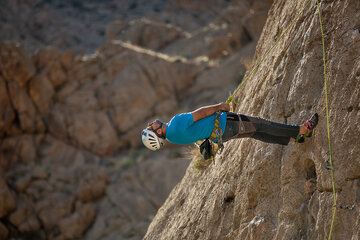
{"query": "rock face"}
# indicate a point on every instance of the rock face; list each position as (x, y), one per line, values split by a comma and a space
(84, 25)
(257, 190)
(71, 161)
(61, 169)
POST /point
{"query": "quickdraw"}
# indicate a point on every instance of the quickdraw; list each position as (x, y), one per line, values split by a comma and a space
(216, 135)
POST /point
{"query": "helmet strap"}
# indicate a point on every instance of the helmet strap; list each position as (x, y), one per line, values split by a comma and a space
(155, 130)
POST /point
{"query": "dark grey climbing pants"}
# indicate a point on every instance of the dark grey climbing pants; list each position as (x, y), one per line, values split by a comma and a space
(240, 126)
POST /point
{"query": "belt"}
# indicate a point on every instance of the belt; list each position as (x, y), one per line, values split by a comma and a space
(237, 117)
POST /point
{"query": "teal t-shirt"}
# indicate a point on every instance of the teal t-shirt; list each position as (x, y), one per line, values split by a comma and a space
(183, 130)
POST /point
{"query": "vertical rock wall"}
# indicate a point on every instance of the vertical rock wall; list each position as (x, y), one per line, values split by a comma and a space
(256, 190)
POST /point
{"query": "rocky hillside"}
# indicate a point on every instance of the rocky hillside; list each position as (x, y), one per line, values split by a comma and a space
(71, 162)
(256, 190)
(83, 26)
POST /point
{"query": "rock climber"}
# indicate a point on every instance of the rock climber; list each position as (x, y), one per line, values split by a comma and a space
(216, 123)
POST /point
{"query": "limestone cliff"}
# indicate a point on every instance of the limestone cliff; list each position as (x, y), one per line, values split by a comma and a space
(72, 165)
(256, 190)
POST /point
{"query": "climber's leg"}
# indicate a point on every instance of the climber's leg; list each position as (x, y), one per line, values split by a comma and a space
(271, 138)
(274, 128)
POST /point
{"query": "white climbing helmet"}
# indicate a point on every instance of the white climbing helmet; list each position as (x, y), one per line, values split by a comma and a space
(151, 140)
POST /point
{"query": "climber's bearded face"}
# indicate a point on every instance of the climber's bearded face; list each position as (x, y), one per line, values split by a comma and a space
(155, 126)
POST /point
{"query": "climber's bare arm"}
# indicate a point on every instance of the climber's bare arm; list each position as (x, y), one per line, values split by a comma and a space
(206, 111)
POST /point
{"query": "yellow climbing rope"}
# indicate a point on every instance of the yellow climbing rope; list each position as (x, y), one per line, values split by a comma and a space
(230, 99)
(327, 120)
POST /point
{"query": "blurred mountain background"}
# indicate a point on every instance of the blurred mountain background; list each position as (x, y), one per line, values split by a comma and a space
(78, 82)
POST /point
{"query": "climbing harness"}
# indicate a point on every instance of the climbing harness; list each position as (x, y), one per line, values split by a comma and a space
(207, 148)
